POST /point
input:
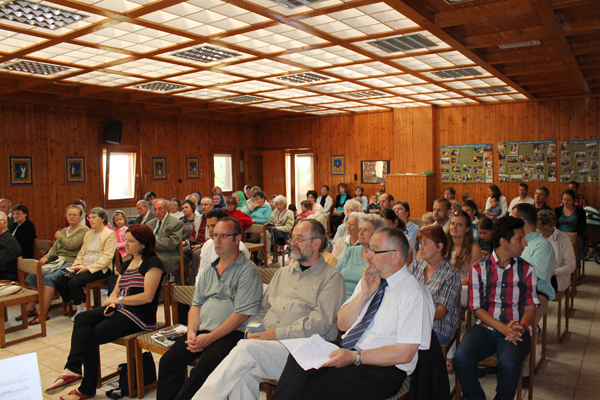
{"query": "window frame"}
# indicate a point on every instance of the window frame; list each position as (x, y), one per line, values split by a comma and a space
(234, 167)
(104, 184)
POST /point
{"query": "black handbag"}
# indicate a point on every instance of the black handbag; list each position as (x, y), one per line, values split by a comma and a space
(149, 376)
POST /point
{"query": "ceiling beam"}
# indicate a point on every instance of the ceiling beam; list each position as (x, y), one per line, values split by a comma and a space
(590, 47)
(590, 63)
(581, 27)
(506, 37)
(592, 74)
(549, 88)
(522, 54)
(469, 15)
(548, 18)
(559, 4)
(535, 80)
(534, 69)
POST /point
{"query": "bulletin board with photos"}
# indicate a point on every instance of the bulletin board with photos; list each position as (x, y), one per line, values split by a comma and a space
(527, 161)
(467, 163)
(579, 161)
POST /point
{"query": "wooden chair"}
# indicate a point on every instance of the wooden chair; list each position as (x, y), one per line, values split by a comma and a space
(25, 266)
(575, 275)
(253, 248)
(267, 274)
(42, 247)
(559, 297)
(417, 221)
(178, 294)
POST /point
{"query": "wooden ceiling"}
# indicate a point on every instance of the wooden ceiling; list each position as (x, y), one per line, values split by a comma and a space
(119, 45)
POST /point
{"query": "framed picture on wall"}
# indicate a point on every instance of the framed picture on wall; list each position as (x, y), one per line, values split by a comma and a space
(374, 171)
(20, 170)
(338, 165)
(75, 169)
(193, 168)
(159, 168)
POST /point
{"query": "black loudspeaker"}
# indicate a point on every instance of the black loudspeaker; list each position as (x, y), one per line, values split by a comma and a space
(113, 132)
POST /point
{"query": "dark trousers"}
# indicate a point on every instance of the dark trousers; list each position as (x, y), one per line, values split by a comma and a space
(72, 289)
(171, 379)
(91, 329)
(351, 382)
(337, 220)
(478, 344)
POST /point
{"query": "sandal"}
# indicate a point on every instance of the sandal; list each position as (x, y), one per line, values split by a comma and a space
(67, 380)
(30, 314)
(36, 320)
(449, 365)
(75, 395)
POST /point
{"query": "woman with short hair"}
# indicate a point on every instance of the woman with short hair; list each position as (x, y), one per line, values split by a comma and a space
(565, 256)
(279, 227)
(338, 207)
(23, 230)
(494, 191)
(243, 218)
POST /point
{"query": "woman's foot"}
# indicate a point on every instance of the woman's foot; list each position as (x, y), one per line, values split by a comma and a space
(66, 379)
(80, 309)
(449, 365)
(30, 314)
(75, 395)
(37, 319)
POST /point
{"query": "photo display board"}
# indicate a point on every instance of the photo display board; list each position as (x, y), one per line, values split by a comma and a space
(467, 163)
(528, 161)
(579, 161)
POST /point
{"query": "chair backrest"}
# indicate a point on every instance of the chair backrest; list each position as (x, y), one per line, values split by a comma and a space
(573, 237)
(27, 265)
(255, 228)
(180, 295)
(267, 274)
(417, 221)
(42, 246)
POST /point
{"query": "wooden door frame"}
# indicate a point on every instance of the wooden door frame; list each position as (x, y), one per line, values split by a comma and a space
(234, 166)
(294, 152)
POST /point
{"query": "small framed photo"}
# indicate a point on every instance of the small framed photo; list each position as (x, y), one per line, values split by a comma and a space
(159, 168)
(338, 165)
(193, 169)
(75, 169)
(374, 171)
(20, 170)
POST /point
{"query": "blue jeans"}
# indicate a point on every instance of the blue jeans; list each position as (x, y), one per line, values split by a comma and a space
(441, 338)
(478, 344)
(48, 279)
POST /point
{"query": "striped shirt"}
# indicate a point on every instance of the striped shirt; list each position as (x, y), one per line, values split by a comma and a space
(503, 292)
(444, 287)
(129, 279)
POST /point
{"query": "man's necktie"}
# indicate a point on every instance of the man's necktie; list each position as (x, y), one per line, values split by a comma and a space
(356, 333)
(157, 228)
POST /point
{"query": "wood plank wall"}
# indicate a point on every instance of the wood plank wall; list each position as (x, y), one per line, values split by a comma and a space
(49, 134)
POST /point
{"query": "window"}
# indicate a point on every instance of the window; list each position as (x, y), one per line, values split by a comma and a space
(223, 171)
(119, 172)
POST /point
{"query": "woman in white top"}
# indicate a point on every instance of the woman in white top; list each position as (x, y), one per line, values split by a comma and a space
(494, 191)
(565, 256)
(350, 240)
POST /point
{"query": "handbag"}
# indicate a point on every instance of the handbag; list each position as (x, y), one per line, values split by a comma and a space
(50, 267)
(8, 288)
(149, 376)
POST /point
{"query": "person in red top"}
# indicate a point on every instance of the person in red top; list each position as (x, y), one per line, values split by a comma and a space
(243, 218)
(503, 298)
(580, 201)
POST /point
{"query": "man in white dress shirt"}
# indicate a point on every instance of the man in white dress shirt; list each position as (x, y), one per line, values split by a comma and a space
(522, 198)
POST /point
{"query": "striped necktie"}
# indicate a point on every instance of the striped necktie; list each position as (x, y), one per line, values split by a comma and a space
(355, 334)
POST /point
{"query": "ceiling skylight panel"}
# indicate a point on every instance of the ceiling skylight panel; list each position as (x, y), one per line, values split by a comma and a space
(275, 104)
(304, 108)
(419, 89)
(259, 68)
(317, 100)
(388, 100)
(205, 55)
(440, 102)
(434, 88)
(149, 68)
(160, 87)
(345, 104)
(493, 81)
(74, 54)
(435, 61)
(300, 58)
(337, 87)
(117, 5)
(11, 41)
(205, 78)
(296, 34)
(365, 108)
(345, 72)
(422, 97)
(103, 79)
(205, 94)
(402, 91)
(325, 112)
(397, 45)
(251, 86)
(288, 93)
(458, 85)
(412, 63)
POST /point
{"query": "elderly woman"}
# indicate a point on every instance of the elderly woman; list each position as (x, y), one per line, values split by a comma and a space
(219, 202)
(440, 278)
(131, 308)
(67, 244)
(494, 191)
(23, 230)
(354, 261)
(350, 207)
(193, 230)
(571, 218)
(279, 227)
(338, 215)
(351, 239)
(565, 256)
(240, 198)
(402, 210)
(93, 261)
(243, 218)
(259, 209)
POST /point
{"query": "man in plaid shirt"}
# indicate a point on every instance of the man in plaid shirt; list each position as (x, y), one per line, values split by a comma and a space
(503, 298)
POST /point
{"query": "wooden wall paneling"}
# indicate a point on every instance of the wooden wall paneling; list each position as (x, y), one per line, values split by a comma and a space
(274, 172)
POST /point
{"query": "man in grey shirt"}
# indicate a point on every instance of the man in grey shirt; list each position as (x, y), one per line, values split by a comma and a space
(226, 295)
(301, 300)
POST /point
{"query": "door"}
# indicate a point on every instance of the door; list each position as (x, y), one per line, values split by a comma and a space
(253, 173)
(300, 174)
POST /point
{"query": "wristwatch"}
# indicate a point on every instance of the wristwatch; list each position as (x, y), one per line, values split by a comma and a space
(120, 299)
(357, 358)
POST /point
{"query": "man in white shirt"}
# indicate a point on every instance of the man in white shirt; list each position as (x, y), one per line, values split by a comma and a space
(388, 318)
(440, 212)
(325, 199)
(523, 198)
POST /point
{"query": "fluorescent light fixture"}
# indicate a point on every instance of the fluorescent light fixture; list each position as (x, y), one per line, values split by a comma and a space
(29, 13)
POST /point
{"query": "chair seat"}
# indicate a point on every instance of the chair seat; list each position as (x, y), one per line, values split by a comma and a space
(558, 295)
(253, 246)
(146, 338)
(19, 295)
(403, 390)
(159, 325)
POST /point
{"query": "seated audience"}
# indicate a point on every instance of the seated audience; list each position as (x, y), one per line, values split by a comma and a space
(449, 193)
(463, 251)
(301, 300)
(580, 200)
(540, 197)
(84, 220)
(470, 208)
(240, 197)
(248, 192)
(305, 208)
(563, 249)
(219, 202)
(494, 211)
(359, 191)
(503, 323)
(382, 187)
(428, 219)
(354, 261)
(9, 251)
(402, 210)
(259, 209)
(168, 231)
(226, 295)
(571, 218)
(217, 189)
(198, 196)
(292, 208)
(391, 219)
(467, 196)
(145, 215)
(325, 199)
(279, 227)
(440, 278)
(319, 212)
(67, 244)
(338, 208)
(134, 302)
(150, 197)
(441, 213)
(455, 207)
(386, 200)
(373, 207)
(233, 211)
(119, 223)
(343, 243)
(175, 209)
(494, 191)
(379, 349)
(209, 255)
(350, 207)
(485, 236)
(193, 233)
(6, 208)
(23, 230)
(271, 202)
(522, 197)
(93, 262)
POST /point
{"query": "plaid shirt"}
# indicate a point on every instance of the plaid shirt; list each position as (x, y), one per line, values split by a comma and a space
(581, 201)
(503, 292)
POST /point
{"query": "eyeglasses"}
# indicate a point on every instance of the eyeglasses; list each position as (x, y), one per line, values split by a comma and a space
(223, 236)
(18, 213)
(91, 217)
(298, 239)
(370, 250)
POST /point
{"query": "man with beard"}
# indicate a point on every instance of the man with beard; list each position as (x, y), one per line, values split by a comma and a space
(302, 299)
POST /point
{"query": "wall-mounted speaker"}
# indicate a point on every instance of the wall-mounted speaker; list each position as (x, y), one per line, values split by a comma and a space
(113, 132)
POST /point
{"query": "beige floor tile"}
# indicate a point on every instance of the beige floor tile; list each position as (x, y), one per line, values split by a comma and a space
(52, 357)
(27, 347)
(6, 353)
(591, 383)
(585, 395)
(548, 391)
(590, 368)
(56, 338)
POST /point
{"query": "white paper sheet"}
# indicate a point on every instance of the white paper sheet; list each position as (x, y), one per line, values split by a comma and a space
(310, 352)
(20, 378)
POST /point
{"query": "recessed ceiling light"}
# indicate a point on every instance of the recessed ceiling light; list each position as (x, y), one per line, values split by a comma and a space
(244, 99)
(35, 68)
(296, 3)
(490, 90)
(305, 77)
(159, 87)
(457, 73)
(403, 43)
(206, 54)
(303, 108)
(520, 44)
(37, 15)
(365, 94)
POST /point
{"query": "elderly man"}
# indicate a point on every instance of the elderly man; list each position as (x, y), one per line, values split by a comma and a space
(168, 231)
(9, 251)
(503, 321)
(6, 208)
(449, 193)
(540, 197)
(191, 252)
(440, 212)
(387, 320)
(301, 300)
(226, 295)
(145, 215)
(522, 198)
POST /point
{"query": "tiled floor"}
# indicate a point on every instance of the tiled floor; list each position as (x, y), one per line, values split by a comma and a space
(571, 369)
